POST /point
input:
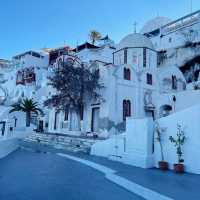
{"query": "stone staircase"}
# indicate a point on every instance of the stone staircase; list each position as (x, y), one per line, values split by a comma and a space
(66, 142)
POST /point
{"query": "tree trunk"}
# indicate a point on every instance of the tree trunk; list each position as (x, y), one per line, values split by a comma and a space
(70, 118)
(28, 119)
(79, 120)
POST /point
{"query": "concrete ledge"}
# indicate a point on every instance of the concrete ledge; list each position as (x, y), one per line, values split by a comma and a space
(7, 146)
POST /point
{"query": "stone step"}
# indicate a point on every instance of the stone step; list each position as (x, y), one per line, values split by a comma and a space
(66, 140)
(65, 147)
(73, 144)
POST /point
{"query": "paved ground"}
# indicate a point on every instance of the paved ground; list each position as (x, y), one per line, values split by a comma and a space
(177, 186)
(26, 175)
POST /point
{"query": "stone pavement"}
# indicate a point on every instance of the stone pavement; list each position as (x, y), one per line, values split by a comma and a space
(177, 186)
(26, 175)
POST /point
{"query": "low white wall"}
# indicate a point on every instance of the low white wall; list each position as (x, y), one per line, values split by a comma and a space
(135, 147)
(189, 119)
(139, 142)
(7, 146)
(111, 148)
(10, 141)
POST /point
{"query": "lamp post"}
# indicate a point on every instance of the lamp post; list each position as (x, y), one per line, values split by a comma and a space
(15, 119)
(174, 101)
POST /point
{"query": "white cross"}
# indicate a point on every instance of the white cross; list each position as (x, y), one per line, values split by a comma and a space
(135, 27)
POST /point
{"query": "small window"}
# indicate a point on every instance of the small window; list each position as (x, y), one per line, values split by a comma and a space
(144, 57)
(149, 79)
(170, 40)
(127, 74)
(125, 56)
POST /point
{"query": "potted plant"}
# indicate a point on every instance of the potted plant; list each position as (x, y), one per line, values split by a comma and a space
(163, 165)
(178, 143)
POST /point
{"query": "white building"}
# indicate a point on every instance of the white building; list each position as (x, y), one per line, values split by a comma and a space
(177, 43)
(175, 100)
(127, 81)
(148, 76)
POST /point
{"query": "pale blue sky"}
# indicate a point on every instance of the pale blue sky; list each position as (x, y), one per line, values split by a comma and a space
(33, 24)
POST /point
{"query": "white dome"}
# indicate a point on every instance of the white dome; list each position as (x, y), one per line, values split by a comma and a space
(154, 24)
(135, 40)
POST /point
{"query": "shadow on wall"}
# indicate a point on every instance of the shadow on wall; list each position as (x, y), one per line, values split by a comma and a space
(107, 125)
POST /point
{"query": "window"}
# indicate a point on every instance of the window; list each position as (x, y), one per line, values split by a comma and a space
(149, 79)
(162, 56)
(55, 120)
(66, 113)
(144, 57)
(125, 56)
(170, 40)
(126, 109)
(127, 74)
(174, 82)
(81, 112)
(98, 72)
(37, 55)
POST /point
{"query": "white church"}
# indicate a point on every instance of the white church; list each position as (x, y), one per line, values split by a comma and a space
(149, 78)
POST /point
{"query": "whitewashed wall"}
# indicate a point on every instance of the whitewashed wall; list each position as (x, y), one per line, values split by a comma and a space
(177, 38)
(7, 146)
(189, 119)
(135, 147)
(32, 61)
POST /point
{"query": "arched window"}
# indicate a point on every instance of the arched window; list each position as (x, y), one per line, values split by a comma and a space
(128, 104)
(127, 74)
(126, 109)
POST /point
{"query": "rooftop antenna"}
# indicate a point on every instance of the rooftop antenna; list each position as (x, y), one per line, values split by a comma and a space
(76, 46)
(135, 27)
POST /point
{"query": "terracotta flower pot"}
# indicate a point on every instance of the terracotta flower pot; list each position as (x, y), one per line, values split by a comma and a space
(163, 165)
(178, 168)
